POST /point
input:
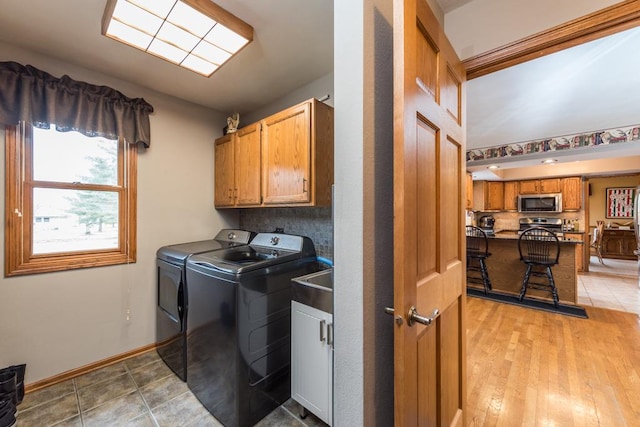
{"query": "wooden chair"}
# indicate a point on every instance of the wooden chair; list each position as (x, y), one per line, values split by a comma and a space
(539, 249)
(477, 254)
(596, 240)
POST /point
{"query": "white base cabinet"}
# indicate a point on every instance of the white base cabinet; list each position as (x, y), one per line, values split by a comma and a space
(312, 360)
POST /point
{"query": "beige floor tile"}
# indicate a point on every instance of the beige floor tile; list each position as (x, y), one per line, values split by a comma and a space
(180, 410)
(46, 394)
(279, 418)
(142, 360)
(116, 412)
(70, 422)
(163, 390)
(98, 393)
(99, 375)
(151, 372)
(49, 413)
(144, 420)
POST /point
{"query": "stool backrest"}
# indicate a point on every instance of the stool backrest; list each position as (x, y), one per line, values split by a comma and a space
(597, 234)
(539, 245)
(477, 242)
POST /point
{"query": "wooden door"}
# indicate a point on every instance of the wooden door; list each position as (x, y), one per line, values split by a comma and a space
(286, 157)
(511, 195)
(572, 193)
(494, 195)
(530, 187)
(429, 200)
(551, 185)
(224, 171)
(247, 166)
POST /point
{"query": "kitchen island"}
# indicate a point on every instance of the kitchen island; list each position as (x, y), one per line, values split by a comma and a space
(506, 271)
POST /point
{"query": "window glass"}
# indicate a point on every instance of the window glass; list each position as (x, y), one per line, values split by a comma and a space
(74, 220)
(73, 157)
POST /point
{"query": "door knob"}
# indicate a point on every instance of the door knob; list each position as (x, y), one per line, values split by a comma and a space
(415, 317)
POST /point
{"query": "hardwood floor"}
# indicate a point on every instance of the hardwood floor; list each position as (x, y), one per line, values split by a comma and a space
(533, 368)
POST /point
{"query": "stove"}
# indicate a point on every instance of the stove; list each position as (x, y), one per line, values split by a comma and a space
(553, 224)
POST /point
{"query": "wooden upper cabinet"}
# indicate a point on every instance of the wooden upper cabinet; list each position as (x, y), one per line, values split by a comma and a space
(283, 160)
(224, 171)
(540, 186)
(469, 204)
(247, 166)
(551, 185)
(488, 196)
(511, 189)
(297, 155)
(237, 168)
(530, 187)
(572, 193)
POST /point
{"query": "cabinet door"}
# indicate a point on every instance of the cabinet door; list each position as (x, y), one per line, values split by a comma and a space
(494, 195)
(551, 185)
(530, 187)
(247, 166)
(511, 195)
(224, 171)
(286, 156)
(572, 193)
(579, 249)
(469, 191)
(311, 360)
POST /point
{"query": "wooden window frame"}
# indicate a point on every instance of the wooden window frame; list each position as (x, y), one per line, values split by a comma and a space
(19, 258)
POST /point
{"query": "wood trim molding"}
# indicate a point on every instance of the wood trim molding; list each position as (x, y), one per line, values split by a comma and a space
(29, 388)
(613, 19)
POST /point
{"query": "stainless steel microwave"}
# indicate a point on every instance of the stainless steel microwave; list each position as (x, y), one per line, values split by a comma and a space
(540, 203)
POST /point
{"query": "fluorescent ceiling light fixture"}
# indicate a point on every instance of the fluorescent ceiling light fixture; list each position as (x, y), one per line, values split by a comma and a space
(197, 35)
(548, 161)
(493, 167)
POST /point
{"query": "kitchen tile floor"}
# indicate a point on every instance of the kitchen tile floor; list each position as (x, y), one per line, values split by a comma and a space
(141, 391)
(615, 285)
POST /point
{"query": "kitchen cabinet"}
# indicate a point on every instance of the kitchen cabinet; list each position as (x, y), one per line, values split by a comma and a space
(312, 359)
(488, 196)
(540, 186)
(511, 189)
(283, 160)
(469, 192)
(618, 244)
(580, 253)
(551, 185)
(297, 156)
(237, 168)
(224, 171)
(572, 193)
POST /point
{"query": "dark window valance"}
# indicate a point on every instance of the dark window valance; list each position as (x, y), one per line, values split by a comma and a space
(36, 97)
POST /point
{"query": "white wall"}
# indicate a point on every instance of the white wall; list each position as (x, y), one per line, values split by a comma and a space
(363, 357)
(482, 25)
(318, 88)
(56, 322)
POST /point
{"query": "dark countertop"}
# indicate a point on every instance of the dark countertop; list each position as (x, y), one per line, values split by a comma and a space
(513, 235)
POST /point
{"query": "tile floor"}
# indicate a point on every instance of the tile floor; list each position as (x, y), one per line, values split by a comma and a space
(141, 391)
(614, 285)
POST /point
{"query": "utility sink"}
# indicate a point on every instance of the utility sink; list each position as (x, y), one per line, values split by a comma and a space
(315, 290)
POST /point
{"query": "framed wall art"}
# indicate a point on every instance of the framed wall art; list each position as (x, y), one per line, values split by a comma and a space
(619, 202)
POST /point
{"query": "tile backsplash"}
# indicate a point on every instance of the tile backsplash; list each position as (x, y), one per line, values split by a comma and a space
(314, 223)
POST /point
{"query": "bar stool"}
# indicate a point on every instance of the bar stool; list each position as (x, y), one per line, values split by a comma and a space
(477, 253)
(539, 249)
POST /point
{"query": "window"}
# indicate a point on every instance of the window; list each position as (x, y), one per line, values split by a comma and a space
(70, 200)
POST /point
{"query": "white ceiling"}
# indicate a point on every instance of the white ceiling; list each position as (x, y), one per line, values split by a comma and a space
(292, 46)
(586, 88)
